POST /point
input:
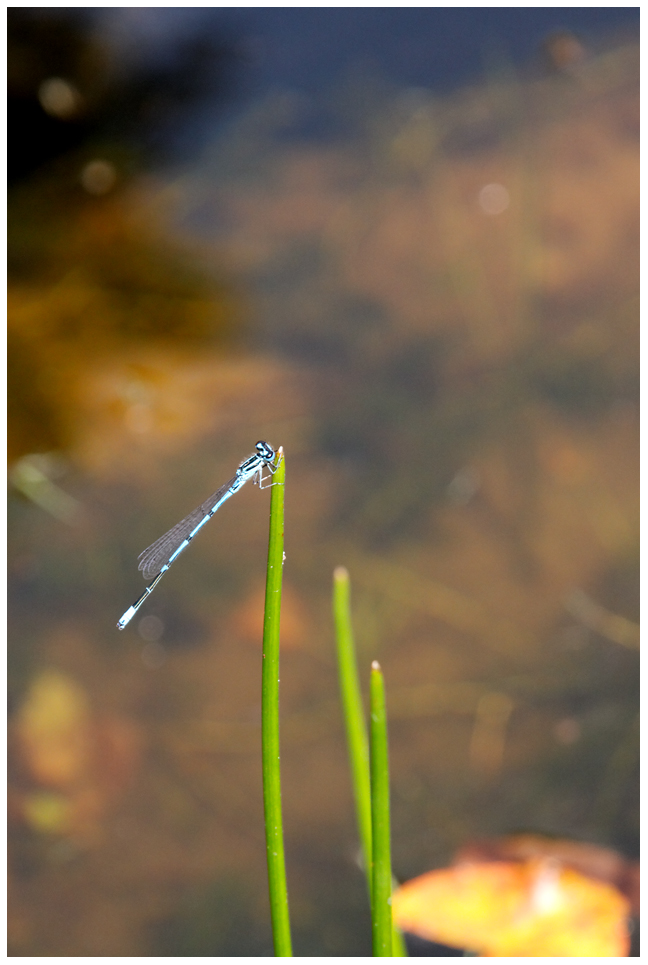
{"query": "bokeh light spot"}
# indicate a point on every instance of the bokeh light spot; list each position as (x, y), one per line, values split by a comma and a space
(150, 628)
(59, 98)
(567, 731)
(98, 177)
(494, 198)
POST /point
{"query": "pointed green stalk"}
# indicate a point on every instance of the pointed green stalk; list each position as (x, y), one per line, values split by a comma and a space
(270, 721)
(381, 914)
(354, 718)
(356, 728)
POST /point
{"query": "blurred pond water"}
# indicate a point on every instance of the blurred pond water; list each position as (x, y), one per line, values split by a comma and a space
(436, 316)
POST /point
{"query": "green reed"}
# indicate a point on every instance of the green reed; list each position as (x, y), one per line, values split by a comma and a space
(381, 914)
(270, 721)
(357, 737)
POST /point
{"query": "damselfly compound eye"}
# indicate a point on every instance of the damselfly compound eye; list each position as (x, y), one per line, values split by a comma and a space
(265, 450)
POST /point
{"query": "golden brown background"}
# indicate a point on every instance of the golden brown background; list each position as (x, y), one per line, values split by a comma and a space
(436, 316)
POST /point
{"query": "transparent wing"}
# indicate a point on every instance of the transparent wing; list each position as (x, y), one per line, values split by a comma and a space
(157, 554)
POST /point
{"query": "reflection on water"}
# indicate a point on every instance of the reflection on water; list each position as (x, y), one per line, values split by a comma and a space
(437, 319)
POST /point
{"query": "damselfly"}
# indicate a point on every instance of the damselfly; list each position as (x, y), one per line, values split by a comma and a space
(164, 551)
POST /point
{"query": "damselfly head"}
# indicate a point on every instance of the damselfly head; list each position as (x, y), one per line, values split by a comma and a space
(265, 450)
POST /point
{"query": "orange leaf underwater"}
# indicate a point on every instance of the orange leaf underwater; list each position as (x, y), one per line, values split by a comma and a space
(532, 908)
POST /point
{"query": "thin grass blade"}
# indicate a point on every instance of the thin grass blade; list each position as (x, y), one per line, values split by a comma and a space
(354, 715)
(270, 721)
(381, 915)
(356, 728)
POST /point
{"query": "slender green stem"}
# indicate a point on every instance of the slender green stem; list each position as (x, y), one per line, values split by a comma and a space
(356, 728)
(381, 914)
(270, 721)
(354, 718)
